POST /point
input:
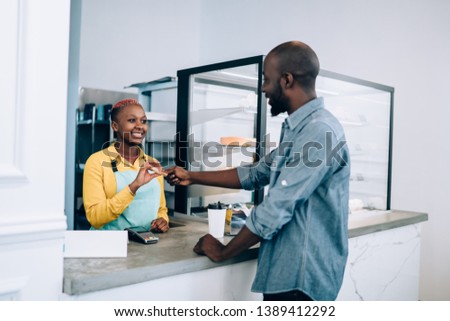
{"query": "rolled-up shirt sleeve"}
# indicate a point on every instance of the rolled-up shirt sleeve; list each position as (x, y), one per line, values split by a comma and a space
(293, 177)
(257, 175)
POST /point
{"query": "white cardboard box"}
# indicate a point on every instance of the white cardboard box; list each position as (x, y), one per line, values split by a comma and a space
(95, 244)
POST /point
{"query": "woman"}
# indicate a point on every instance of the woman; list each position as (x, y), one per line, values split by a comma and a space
(123, 187)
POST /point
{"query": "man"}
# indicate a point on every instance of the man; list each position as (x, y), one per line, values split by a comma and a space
(302, 223)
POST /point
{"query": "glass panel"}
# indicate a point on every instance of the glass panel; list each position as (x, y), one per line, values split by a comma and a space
(222, 124)
(364, 113)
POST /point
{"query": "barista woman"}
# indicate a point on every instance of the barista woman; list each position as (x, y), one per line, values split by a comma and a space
(122, 186)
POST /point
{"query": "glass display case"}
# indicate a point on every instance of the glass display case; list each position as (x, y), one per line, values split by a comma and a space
(365, 111)
(224, 121)
(220, 124)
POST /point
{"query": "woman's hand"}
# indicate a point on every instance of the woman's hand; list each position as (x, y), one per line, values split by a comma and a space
(159, 225)
(144, 176)
(178, 176)
(156, 167)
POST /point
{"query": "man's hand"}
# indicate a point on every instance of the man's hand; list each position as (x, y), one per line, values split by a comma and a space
(178, 176)
(217, 252)
(211, 247)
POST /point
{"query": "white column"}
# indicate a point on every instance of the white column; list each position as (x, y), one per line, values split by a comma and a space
(33, 94)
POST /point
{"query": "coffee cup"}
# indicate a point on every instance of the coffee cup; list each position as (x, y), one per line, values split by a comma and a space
(216, 220)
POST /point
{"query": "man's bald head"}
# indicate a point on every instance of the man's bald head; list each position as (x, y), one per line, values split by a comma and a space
(300, 60)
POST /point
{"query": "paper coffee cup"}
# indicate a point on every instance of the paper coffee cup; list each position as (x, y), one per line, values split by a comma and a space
(216, 222)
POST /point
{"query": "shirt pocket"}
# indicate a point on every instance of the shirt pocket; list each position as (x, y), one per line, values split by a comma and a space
(277, 165)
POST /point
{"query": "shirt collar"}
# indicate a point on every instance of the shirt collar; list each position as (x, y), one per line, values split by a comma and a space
(114, 154)
(304, 111)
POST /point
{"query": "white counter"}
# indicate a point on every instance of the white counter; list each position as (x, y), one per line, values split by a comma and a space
(170, 270)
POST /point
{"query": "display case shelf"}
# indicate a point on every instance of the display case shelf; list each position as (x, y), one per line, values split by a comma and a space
(153, 116)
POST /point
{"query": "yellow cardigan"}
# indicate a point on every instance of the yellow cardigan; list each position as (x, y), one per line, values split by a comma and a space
(102, 202)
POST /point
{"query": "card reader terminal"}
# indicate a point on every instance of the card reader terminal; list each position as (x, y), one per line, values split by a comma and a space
(141, 235)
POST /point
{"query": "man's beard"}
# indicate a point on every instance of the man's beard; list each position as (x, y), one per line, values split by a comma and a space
(278, 101)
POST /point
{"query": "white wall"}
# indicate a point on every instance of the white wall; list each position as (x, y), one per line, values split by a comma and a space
(130, 41)
(402, 43)
(33, 91)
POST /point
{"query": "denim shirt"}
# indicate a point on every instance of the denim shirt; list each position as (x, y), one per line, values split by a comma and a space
(303, 220)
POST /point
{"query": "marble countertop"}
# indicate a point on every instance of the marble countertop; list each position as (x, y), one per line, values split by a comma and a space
(173, 253)
(365, 222)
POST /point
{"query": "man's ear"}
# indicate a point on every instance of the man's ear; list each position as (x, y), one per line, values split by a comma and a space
(288, 79)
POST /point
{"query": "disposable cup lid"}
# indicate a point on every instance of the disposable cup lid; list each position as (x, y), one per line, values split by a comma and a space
(216, 206)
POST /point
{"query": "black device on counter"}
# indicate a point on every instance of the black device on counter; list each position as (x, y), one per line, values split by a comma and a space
(141, 235)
